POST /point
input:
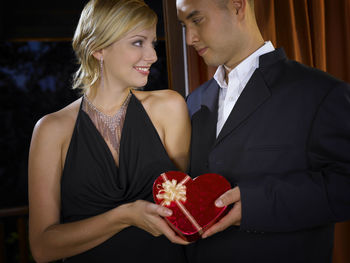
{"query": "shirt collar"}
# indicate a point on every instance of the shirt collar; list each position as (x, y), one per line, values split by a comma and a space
(242, 69)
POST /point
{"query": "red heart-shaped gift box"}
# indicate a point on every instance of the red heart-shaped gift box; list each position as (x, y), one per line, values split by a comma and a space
(192, 201)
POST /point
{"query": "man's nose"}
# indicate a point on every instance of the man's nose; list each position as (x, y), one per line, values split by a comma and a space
(191, 36)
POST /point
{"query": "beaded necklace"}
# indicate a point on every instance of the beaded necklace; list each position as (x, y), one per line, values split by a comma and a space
(110, 127)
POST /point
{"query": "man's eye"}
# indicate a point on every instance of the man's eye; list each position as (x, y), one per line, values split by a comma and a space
(197, 20)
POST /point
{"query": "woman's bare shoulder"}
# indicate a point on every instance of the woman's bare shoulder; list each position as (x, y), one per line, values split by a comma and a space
(167, 110)
(162, 100)
(59, 124)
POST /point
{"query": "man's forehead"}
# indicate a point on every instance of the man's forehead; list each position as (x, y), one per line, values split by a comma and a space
(185, 7)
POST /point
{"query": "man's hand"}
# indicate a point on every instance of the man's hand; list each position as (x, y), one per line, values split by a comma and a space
(233, 217)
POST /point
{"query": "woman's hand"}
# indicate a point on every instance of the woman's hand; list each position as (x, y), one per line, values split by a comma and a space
(148, 216)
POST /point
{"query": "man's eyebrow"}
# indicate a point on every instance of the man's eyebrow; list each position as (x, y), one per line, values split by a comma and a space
(192, 14)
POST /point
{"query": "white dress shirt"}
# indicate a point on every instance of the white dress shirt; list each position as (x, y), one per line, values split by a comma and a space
(237, 80)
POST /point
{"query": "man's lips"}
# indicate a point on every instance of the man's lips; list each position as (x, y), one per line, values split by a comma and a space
(202, 51)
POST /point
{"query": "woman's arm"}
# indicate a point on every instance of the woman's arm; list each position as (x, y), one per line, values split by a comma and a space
(51, 240)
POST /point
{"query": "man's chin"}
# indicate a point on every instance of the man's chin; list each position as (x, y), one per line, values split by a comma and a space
(211, 63)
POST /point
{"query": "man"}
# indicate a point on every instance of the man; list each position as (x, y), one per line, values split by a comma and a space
(277, 130)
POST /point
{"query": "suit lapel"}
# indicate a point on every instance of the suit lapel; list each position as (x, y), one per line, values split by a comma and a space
(204, 120)
(254, 94)
(210, 97)
(210, 110)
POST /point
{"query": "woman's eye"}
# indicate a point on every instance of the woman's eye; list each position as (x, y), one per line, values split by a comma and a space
(138, 43)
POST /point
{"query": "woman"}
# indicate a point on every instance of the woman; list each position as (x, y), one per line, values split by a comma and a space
(92, 164)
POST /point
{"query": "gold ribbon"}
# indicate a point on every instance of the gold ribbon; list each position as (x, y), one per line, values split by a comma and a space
(172, 191)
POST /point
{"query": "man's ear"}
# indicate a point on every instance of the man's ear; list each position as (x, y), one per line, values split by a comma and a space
(239, 6)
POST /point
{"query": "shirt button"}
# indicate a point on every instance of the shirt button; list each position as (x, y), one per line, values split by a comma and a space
(230, 98)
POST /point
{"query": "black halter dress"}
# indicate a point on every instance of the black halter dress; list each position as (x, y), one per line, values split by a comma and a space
(92, 183)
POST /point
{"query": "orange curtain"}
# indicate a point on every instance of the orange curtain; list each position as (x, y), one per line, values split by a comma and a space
(313, 32)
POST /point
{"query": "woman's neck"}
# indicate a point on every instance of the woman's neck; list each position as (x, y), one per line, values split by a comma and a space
(108, 100)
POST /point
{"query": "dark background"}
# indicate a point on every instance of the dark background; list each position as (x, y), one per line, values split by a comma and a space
(36, 67)
(33, 19)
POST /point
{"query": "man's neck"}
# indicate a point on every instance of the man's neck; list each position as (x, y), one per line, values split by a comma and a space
(228, 69)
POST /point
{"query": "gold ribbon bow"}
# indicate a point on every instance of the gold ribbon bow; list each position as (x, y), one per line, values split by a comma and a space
(172, 191)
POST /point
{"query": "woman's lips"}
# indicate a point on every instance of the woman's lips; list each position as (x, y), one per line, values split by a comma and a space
(142, 70)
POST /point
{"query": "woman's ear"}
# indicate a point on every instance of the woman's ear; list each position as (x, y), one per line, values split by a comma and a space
(98, 54)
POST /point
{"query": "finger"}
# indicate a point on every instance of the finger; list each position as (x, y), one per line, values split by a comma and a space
(159, 210)
(163, 211)
(176, 239)
(229, 197)
(230, 219)
(171, 235)
(218, 227)
(155, 233)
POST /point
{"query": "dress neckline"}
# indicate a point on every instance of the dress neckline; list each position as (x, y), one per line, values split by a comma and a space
(109, 127)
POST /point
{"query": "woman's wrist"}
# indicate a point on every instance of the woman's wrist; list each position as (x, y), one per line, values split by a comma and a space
(120, 217)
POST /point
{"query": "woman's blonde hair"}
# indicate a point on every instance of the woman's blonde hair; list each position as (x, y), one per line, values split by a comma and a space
(103, 22)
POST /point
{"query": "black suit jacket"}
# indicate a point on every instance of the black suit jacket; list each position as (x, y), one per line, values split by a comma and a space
(286, 144)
